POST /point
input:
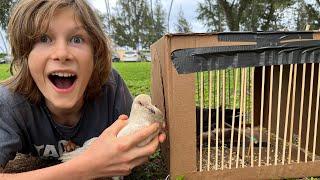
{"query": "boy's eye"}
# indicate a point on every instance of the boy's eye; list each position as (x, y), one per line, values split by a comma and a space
(76, 40)
(45, 39)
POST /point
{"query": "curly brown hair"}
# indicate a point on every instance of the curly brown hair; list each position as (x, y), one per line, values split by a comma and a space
(29, 20)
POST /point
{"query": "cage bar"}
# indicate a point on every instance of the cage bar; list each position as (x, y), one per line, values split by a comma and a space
(209, 122)
(309, 113)
(316, 118)
(301, 110)
(287, 116)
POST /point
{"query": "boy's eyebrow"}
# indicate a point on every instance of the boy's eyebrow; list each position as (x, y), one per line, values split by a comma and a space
(78, 28)
(72, 30)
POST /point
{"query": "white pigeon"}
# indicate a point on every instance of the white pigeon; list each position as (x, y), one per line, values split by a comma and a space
(142, 114)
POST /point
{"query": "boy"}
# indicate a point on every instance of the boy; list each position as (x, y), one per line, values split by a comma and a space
(63, 89)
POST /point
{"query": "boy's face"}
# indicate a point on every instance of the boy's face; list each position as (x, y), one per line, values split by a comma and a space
(61, 61)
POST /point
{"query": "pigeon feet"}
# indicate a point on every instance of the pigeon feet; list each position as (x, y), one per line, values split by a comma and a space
(70, 146)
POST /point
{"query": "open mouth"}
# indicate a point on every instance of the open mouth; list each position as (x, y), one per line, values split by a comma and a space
(62, 80)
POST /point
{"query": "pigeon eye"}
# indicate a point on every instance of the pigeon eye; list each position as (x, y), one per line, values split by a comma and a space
(152, 111)
(140, 103)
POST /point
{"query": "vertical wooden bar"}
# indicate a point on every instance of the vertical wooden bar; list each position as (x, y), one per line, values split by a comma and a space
(244, 117)
(217, 117)
(229, 88)
(223, 114)
(301, 110)
(292, 111)
(278, 116)
(269, 115)
(309, 113)
(316, 118)
(252, 116)
(287, 116)
(201, 119)
(261, 112)
(233, 115)
(240, 117)
(209, 121)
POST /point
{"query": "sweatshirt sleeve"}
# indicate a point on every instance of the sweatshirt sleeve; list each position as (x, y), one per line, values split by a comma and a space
(10, 141)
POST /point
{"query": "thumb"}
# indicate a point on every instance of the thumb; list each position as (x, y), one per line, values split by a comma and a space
(116, 126)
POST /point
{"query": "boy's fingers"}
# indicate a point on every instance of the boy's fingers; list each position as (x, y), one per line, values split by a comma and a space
(141, 135)
(139, 161)
(123, 117)
(117, 125)
(162, 137)
(147, 150)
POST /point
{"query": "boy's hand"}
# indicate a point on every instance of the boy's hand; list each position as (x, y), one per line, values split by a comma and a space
(112, 156)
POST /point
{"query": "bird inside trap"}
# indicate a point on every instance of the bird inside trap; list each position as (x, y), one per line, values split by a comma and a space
(239, 105)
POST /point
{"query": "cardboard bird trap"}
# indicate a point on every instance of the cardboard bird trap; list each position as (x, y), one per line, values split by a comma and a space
(239, 104)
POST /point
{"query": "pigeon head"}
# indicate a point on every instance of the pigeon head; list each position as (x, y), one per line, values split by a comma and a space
(143, 104)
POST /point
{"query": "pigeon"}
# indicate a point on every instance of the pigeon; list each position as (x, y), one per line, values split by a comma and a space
(142, 114)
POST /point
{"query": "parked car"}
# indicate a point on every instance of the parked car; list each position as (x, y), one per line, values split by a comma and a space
(6, 59)
(115, 58)
(145, 55)
(131, 56)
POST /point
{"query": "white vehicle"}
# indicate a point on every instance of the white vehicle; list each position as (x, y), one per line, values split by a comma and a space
(146, 55)
(131, 56)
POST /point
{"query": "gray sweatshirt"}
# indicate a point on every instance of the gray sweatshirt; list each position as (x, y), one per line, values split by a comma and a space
(28, 128)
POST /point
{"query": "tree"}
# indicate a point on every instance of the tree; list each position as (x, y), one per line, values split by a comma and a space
(130, 23)
(5, 8)
(211, 14)
(133, 25)
(307, 14)
(158, 27)
(182, 25)
(238, 15)
(233, 12)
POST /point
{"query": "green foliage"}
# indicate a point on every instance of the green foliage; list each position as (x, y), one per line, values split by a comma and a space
(265, 15)
(211, 15)
(180, 177)
(133, 24)
(307, 14)
(158, 29)
(183, 25)
(5, 8)
(2, 55)
(247, 15)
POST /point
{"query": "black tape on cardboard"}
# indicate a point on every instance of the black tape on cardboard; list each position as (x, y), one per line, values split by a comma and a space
(270, 49)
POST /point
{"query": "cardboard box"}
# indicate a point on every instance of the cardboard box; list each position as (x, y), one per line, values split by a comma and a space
(174, 94)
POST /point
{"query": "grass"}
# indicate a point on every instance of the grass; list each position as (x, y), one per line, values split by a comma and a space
(137, 77)
(4, 71)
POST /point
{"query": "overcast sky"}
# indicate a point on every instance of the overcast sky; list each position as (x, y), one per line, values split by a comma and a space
(188, 7)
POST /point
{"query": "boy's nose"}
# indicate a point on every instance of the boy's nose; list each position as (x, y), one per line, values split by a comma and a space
(60, 51)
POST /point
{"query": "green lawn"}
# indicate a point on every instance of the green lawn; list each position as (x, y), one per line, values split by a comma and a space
(136, 75)
(4, 71)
